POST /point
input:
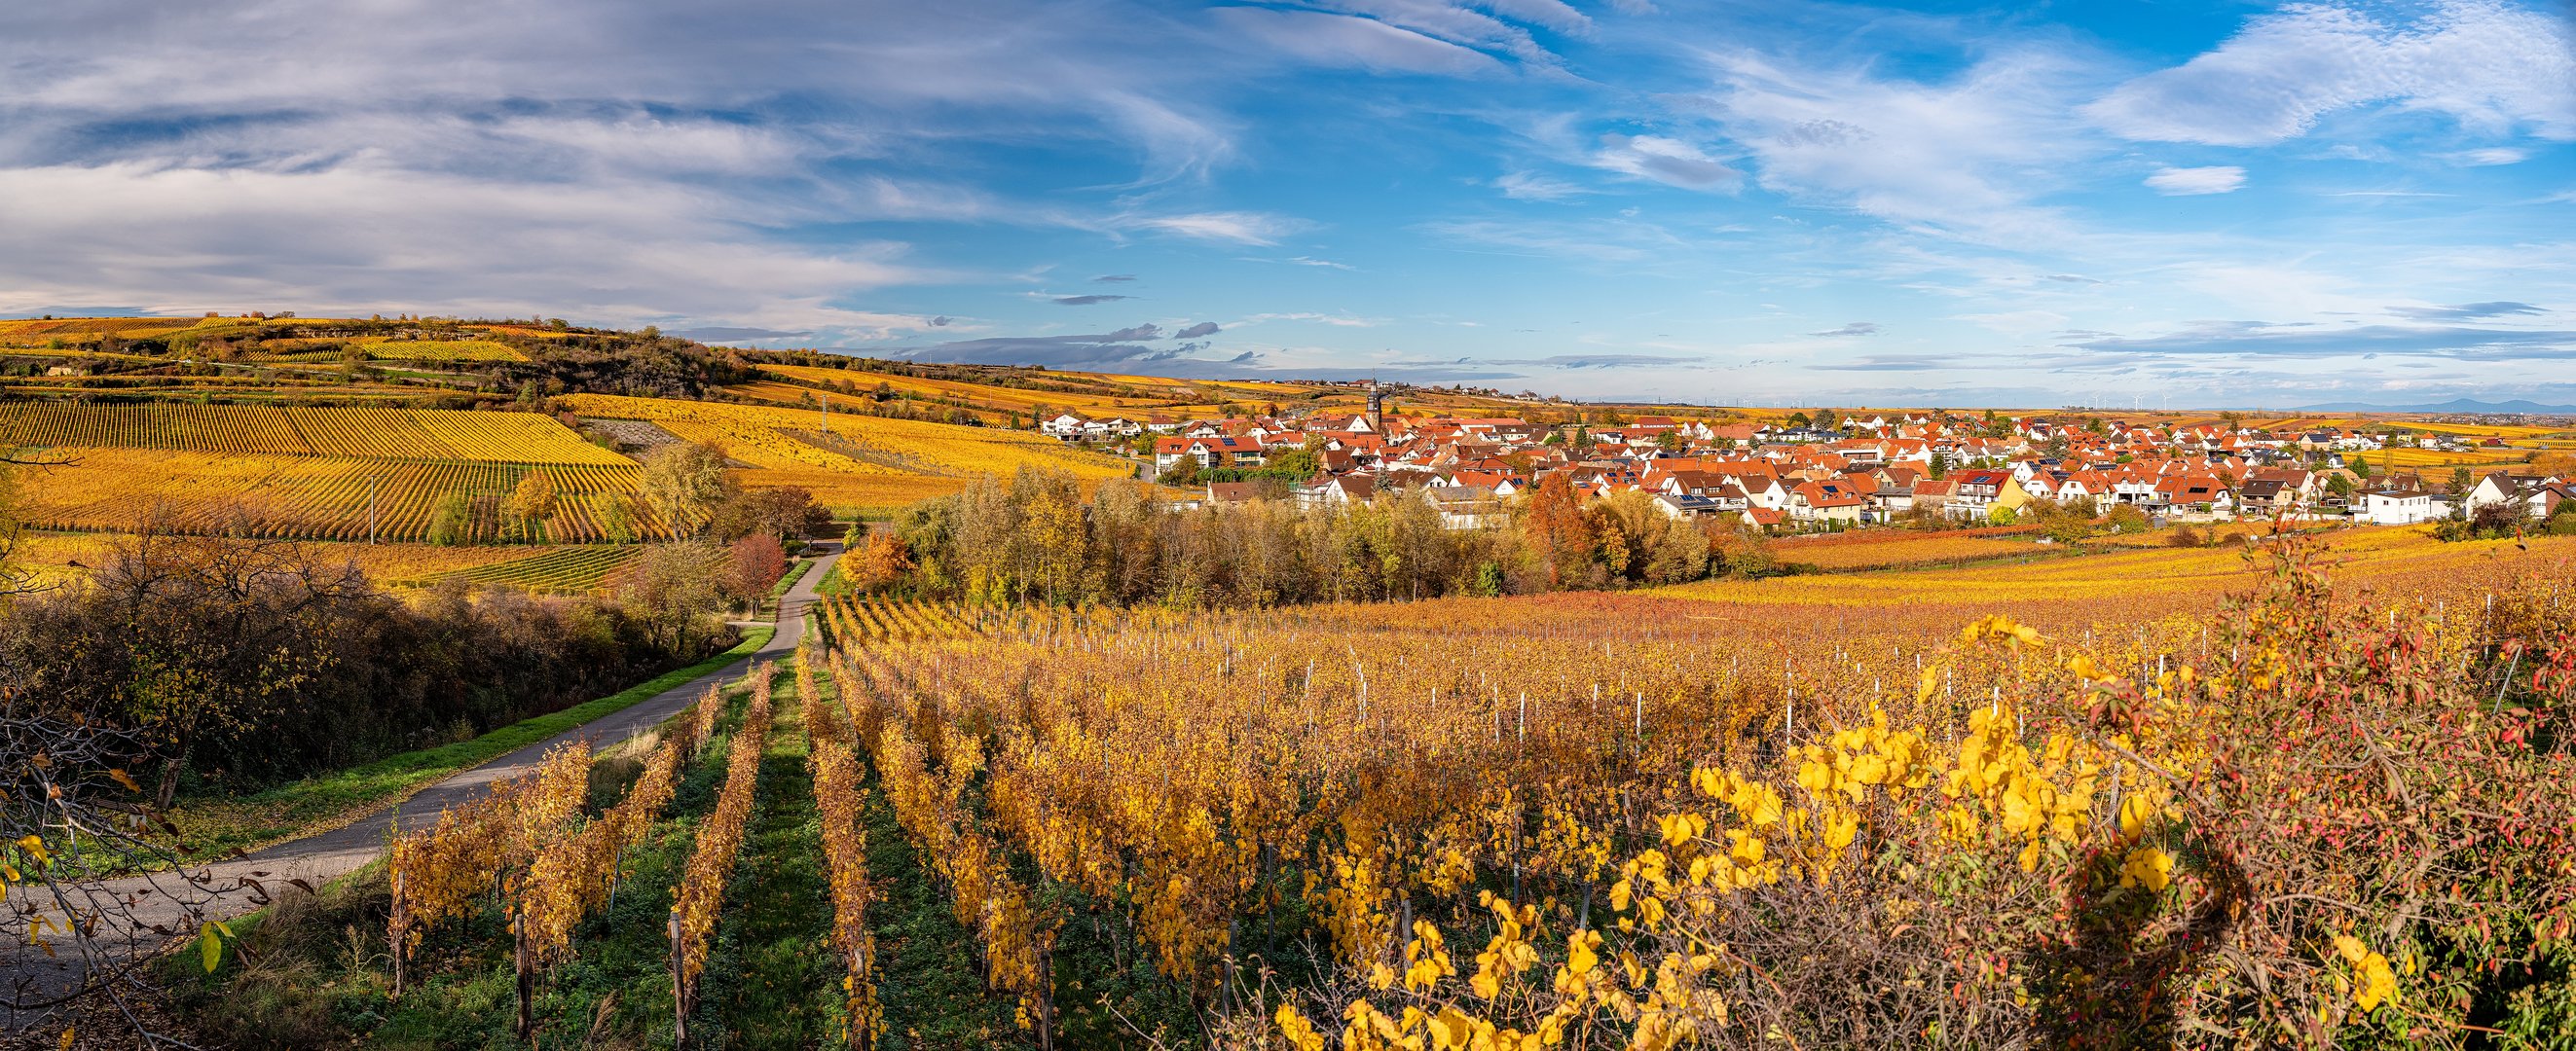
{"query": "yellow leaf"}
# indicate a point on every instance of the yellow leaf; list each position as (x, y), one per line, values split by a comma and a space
(122, 778)
(208, 948)
(2377, 984)
(66, 1042)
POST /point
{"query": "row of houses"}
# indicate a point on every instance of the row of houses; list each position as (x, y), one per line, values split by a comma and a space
(1777, 477)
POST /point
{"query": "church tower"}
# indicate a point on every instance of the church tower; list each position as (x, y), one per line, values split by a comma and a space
(1376, 408)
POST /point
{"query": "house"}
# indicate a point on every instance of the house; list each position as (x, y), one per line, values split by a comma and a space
(2199, 494)
(1974, 494)
(2397, 507)
(1765, 519)
(1338, 490)
(1685, 505)
(2267, 496)
(1063, 426)
(1816, 501)
(2497, 488)
(1209, 452)
(1465, 507)
(1232, 492)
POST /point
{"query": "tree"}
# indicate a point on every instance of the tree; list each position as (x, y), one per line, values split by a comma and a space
(1797, 421)
(686, 483)
(214, 629)
(783, 513)
(531, 504)
(1299, 463)
(1557, 531)
(2460, 485)
(1669, 441)
(879, 562)
(752, 565)
(1828, 420)
(671, 587)
(451, 521)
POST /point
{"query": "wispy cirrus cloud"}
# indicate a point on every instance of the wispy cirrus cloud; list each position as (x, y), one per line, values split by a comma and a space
(2465, 311)
(2183, 182)
(2287, 340)
(2490, 66)
(1856, 328)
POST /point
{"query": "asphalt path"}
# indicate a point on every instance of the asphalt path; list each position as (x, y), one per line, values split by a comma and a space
(168, 900)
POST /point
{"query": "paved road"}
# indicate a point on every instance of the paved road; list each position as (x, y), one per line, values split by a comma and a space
(328, 855)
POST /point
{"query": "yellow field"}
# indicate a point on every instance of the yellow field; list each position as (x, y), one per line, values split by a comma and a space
(44, 329)
(1142, 395)
(52, 556)
(409, 434)
(438, 350)
(856, 492)
(864, 461)
(1883, 549)
(307, 496)
(2483, 431)
(2399, 560)
(1002, 399)
(2403, 458)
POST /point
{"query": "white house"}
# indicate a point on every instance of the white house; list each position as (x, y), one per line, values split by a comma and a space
(1064, 426)
(2397, 507)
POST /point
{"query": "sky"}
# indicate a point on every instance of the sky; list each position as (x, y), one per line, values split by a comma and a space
(2116, 203)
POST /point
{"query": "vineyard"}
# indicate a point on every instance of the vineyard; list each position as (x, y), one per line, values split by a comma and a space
(1579, 821)
(851, 461)
(317, 473)
(1886, 549)
(568, 570)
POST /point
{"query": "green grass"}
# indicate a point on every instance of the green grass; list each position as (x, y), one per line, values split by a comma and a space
(772, 977)
(316, 973)
(320, 803)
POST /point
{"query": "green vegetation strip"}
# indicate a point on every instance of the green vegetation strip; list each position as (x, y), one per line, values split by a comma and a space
(321, 803)
(322, 979)
(772, 979)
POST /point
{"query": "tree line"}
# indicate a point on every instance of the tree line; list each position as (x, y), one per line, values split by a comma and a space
(1036, 538)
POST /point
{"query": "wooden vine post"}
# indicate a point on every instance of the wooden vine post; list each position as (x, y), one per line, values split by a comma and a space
(679, 987)
(527, 977)
(400, 928)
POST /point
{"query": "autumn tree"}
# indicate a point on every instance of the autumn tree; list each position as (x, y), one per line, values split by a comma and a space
(531, 504)
(672, 587)
(752, 565)
(1557, 533)
(686, 483)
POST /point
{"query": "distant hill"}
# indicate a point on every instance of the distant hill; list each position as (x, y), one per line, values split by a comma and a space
(2456, 405)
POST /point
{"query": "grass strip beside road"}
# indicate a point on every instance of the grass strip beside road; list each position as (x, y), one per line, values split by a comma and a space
(319, 804)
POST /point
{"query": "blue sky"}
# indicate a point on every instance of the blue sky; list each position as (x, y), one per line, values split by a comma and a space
(2110, 202)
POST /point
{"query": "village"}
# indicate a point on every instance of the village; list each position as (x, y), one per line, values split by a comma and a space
(1829, 473)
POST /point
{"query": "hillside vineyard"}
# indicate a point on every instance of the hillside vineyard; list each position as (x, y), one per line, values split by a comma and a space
(315, 473)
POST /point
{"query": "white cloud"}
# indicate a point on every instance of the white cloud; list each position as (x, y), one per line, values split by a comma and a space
(1523, 186)
(1664, 160)
(2492, 66)
(1252, 228)
(2179, 182)
(1342, 40)
(1337, 320)
(1462, 25)
(1965, 156)
(2490, 156)
(365, 236)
